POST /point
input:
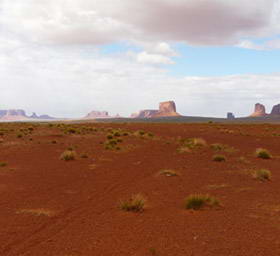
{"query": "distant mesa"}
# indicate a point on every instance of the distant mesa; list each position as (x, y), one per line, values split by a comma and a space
(42, 117)
(148, 113)
(97, 114)
(230, 116)
(20, 115)
(166, 109)
(275, 110)
(259, 111)
(13, 115)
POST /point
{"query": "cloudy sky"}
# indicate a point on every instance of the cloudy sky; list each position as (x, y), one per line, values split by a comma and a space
(68, 57)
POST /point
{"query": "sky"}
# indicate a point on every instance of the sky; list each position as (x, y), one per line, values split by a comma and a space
(66, 58)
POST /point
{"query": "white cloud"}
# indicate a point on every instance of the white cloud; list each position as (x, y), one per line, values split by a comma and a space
(197, 22)
(271, 44)
(148, 58)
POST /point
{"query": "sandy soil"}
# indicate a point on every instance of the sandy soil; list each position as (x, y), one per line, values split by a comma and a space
(53, 207)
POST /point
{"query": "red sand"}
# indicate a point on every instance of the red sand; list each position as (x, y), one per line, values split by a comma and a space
(78, 200)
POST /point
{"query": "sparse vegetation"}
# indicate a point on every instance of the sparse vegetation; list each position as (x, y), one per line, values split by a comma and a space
(262, 174)
(68, 155)
(219, 158)
(195, 142)
(135, 204)
(3, 164)
(152, 251)
(222, 147)
(263, 153)
(192, 143)
(198, 201)
(112, 144)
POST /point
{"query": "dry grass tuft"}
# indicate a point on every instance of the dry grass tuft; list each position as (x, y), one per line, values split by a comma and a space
(262, 174)
(263, 153)
(198, 201)
(37, 212)
(135, 204)
(68, 155)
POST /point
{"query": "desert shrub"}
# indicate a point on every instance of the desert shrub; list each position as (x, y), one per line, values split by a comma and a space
(219, 158)
(116, 134)
(263, 153)
(19, 135)
(192, 143)
(84, 155)
(135, 204)
(68, 155)
(110, 137)
(222, 147)
(217, 147)
(54, 141)
(72, 130)
(198, 201)
(243, 160)
(262, 174)
(112, 144)
(139, 133)
(183, 149)
(3, 164)
(153, 251)
(169, 173)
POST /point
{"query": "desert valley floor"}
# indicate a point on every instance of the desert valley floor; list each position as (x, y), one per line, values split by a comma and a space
(54, 207)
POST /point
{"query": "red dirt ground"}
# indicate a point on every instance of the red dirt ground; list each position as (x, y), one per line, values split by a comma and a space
(52, 207)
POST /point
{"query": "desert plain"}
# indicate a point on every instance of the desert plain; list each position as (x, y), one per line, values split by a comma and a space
(51, 205)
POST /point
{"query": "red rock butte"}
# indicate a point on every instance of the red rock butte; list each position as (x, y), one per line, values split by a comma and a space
(259, 111)
(166, 109)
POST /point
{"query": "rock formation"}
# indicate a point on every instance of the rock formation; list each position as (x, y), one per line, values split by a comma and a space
(97, 114)
(259, 111)
(275, 110)
(167, 108)
(20, 115)
(46, 117)
(148, 113)
(230, 116)
(13, 115)
(34, 116)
